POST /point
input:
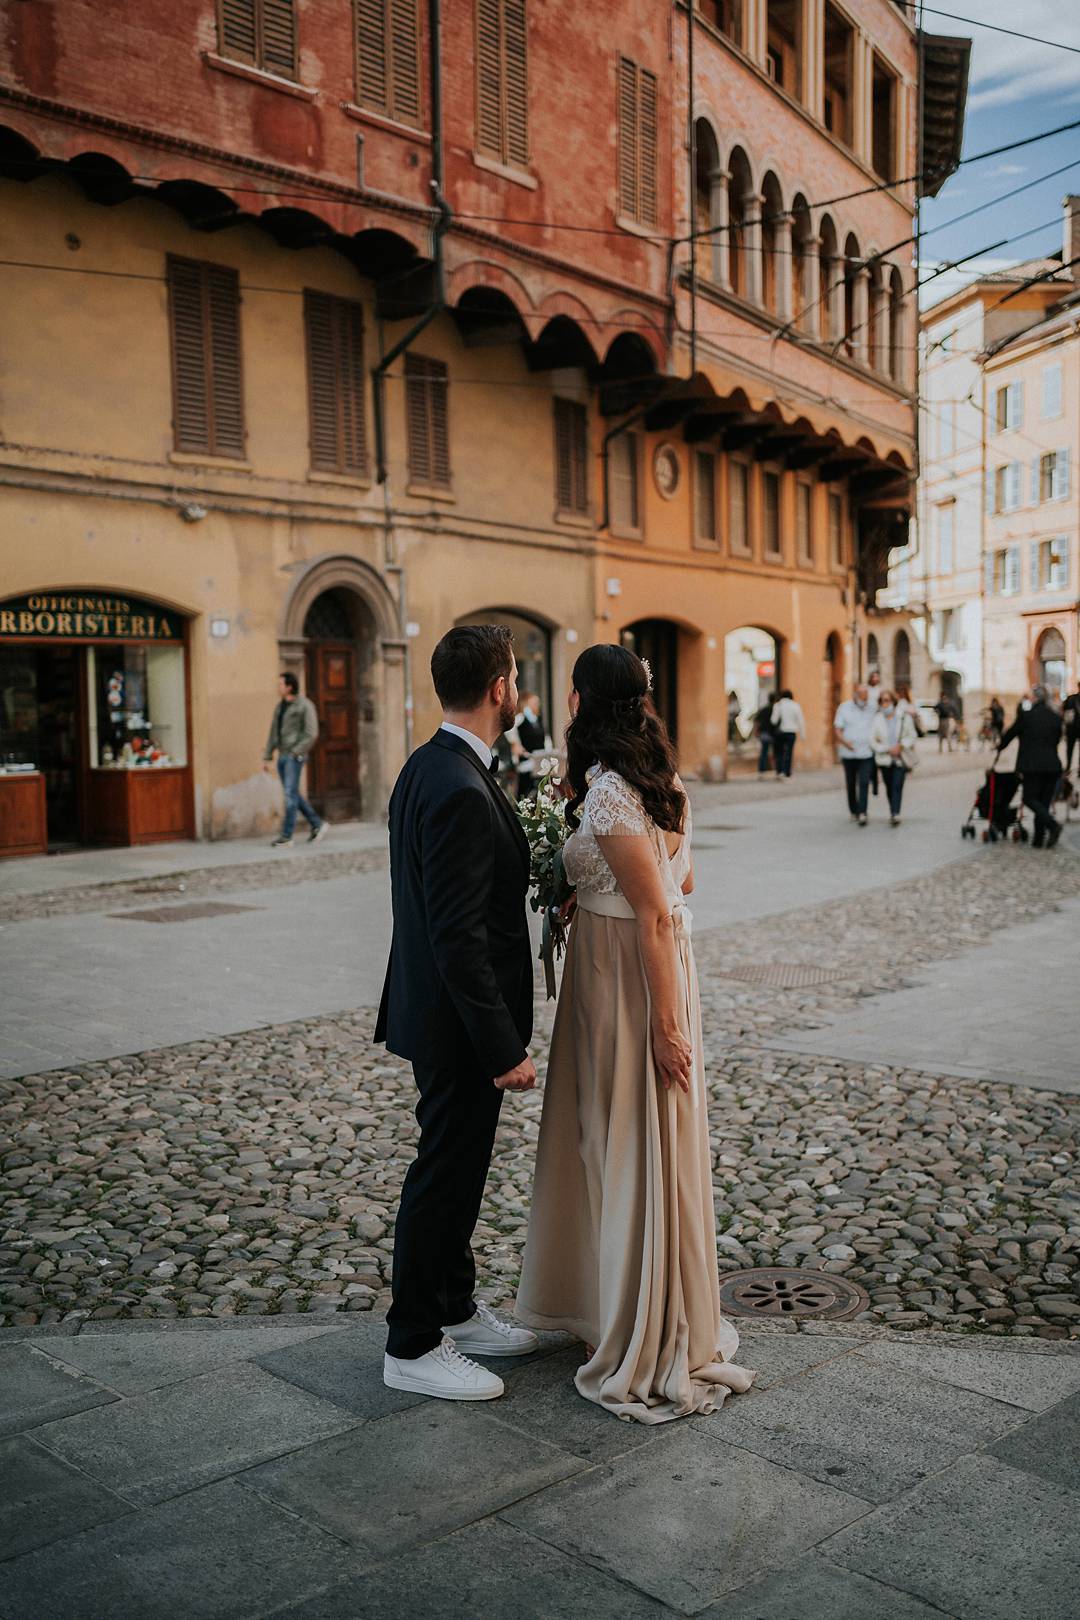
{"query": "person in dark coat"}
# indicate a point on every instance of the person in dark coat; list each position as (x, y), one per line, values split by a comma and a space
(1038, 731)
(1070, 713)
(458, 1003)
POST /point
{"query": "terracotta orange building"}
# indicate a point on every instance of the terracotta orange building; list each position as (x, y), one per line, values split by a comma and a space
(330, 324)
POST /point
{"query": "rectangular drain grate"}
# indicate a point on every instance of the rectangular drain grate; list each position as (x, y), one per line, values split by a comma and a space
(191, 911)
(783, 975)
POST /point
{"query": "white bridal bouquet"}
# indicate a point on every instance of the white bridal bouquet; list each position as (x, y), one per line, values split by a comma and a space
(544, 821)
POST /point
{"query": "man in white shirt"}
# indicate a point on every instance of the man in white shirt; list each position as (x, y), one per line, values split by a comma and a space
(873, 688)
(787, 723)
(853, 728)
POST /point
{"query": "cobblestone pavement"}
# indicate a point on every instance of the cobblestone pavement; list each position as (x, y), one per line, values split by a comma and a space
(193, 884)
(258, 1174)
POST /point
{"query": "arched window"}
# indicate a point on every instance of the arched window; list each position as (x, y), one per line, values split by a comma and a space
(897, 368)
(1051, 659)
(802, 231)
(902, 659)
(873, 657)
(706, 182)
(774, 265)
(831, 282)
(852, 259)
(740, 187)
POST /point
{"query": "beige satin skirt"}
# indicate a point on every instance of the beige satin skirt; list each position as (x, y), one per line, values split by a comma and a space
(621, 1249)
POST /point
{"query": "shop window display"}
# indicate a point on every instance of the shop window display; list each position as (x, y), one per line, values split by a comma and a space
(137, 711)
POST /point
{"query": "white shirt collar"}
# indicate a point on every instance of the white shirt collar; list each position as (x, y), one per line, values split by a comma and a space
(477, 744)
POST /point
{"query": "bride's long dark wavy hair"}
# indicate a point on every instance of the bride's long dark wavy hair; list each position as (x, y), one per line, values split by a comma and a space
(618, 727)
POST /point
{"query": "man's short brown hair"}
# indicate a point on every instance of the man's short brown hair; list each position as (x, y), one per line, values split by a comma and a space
(467, 661)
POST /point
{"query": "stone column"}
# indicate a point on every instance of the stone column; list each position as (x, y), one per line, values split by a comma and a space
(880, 318)
(753, 205)
(811, 322)
(784, 268)
(718, 218)
(860, 347)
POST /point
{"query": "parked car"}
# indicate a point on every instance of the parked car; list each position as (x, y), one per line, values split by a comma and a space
(928, 718)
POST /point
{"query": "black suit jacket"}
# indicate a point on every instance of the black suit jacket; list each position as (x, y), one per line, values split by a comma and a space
(460, 975)
(1039, 731)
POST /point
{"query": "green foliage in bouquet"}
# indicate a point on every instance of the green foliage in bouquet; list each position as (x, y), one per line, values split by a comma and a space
(543, 819)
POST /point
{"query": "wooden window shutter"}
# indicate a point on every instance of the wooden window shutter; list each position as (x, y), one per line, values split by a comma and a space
(705, 496)
(204, 311)
(571, 456)
(334, 330)
(637, 142)
(388, 58)
(502, 80)
(238, 29)
(623, 466)
(427, 425)
(279, 37)
(262, 32)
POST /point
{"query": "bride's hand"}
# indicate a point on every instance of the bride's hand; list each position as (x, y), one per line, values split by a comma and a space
(673, 1055)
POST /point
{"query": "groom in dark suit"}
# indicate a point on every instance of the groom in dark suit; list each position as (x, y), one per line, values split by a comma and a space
(458, 1003)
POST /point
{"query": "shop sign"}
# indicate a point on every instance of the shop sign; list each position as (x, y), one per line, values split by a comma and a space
(78, 616)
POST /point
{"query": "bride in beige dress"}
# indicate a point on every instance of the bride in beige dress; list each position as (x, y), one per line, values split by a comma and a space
(622, 1237)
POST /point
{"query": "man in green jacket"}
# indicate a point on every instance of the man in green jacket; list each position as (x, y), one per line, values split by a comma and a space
(293, 732)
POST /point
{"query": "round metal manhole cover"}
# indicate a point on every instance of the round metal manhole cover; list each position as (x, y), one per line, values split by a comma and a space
(791, 1291)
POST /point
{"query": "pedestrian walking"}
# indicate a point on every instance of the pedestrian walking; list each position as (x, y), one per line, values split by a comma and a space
(786, 720)
(1070, 712)
(1038, 732)
(293, 733)
(873, 688)
(894, 740)
(763, 731)
(948, 716)
(853, 728)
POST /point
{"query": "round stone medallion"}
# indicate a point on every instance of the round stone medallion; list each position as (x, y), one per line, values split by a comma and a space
(666, 470)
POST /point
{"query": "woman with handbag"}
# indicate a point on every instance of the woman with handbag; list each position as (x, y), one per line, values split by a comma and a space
(893, 740)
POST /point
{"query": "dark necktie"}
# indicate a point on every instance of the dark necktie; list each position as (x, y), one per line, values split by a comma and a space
(494, 766)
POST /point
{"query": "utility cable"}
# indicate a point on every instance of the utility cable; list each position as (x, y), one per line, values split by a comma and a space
(994, 28)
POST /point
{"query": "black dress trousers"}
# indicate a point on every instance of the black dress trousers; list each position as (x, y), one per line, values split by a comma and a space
(434, 1271)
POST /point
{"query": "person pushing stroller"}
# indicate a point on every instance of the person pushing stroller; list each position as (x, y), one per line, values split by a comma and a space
(1038, 732)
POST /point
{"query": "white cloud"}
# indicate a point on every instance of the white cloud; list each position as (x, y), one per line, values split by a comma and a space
(1007, 168)
(1005, 69)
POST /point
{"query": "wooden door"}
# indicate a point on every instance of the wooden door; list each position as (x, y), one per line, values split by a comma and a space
(333, 782)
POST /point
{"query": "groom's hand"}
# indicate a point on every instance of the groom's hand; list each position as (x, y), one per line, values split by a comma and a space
(520, 1078)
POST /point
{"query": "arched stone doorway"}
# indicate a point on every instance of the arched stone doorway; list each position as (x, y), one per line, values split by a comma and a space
(1052, 662)
(873, 655)
(341, 638)
(657, 641)
(832, 687)
(902, 659)
(752, 670)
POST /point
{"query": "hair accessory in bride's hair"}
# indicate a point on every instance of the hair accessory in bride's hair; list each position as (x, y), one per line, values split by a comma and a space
(647, 667)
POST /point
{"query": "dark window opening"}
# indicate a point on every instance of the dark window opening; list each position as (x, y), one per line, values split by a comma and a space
(839, 60)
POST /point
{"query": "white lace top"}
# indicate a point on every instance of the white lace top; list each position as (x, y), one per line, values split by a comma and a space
(612, 807)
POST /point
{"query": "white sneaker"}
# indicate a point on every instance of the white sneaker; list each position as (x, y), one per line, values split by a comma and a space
(486, 1334)
(444, 1374)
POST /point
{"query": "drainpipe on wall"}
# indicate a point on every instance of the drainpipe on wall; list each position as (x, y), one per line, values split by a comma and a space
(392, 564)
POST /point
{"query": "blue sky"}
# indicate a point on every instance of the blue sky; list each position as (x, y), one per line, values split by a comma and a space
(1016, 88)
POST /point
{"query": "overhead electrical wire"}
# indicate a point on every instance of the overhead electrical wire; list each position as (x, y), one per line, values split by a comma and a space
(994, 28)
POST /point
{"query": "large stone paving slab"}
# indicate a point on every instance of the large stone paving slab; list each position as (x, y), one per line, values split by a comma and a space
(872, 1430)
(1048, 1446)
(980, 1540)
(1030, 1381)
(814, 1589)
(345, 1368)
(43, 1500)
(134, 1363)
(156, 1445)
(688, 1518)
(490, 1571)
(413, 1476)
(221, 1553)
(34, 1389)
